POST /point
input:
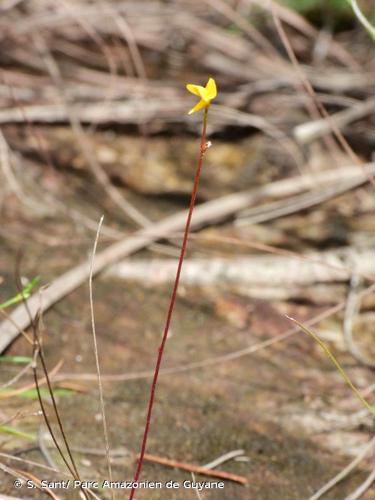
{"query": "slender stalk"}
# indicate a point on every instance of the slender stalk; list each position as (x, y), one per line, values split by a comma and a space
(340, 369)
(38, 352)
(96, 352)
(362, 19)
(172, 302)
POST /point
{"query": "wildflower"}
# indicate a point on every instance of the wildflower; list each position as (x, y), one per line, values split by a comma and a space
(206, 94)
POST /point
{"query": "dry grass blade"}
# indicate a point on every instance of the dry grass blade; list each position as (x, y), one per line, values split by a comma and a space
(15, 379)
(224, 458)
(96, 352)
(361, 490)
(18, 474)
(199, 496)
(43, 381)
(345, 472)
(319, 106)
(38, 354)
(33, 464)
(44, 449)
(38, 483)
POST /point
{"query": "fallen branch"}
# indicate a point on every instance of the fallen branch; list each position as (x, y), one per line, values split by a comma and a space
(258, 270)
(307, 132)
(195, 468)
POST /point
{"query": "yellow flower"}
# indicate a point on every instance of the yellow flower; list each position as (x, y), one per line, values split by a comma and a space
(206, 94)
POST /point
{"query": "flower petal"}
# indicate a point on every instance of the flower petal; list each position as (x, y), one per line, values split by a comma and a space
(195, 89)
(201, 104)
(211, 90)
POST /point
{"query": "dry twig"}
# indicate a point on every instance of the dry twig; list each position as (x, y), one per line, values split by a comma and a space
(195, 468)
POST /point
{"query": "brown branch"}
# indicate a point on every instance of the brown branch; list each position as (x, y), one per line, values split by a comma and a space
(195, 468)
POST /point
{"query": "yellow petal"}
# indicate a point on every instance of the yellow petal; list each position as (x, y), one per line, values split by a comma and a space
(199, 91)
(195, 89)
(201, 104)
(211, 91)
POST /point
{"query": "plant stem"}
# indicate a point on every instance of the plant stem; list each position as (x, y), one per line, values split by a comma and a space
(172, 302)
(340, 369)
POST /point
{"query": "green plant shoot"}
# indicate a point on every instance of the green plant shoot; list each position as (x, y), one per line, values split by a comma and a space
(340, 369)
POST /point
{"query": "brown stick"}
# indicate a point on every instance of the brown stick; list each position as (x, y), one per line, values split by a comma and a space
(195, 468)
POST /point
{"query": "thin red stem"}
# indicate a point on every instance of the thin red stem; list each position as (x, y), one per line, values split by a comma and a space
(171, 303)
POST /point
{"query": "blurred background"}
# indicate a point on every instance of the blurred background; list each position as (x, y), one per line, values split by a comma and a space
(94, 121)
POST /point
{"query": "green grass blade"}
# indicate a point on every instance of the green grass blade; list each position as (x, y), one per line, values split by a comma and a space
(370, 28)
(336, 363)
(16, 360)
(33, 393)
(16, 432)
(25, 294)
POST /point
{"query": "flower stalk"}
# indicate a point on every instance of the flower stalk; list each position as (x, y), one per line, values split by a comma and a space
(206, 97)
